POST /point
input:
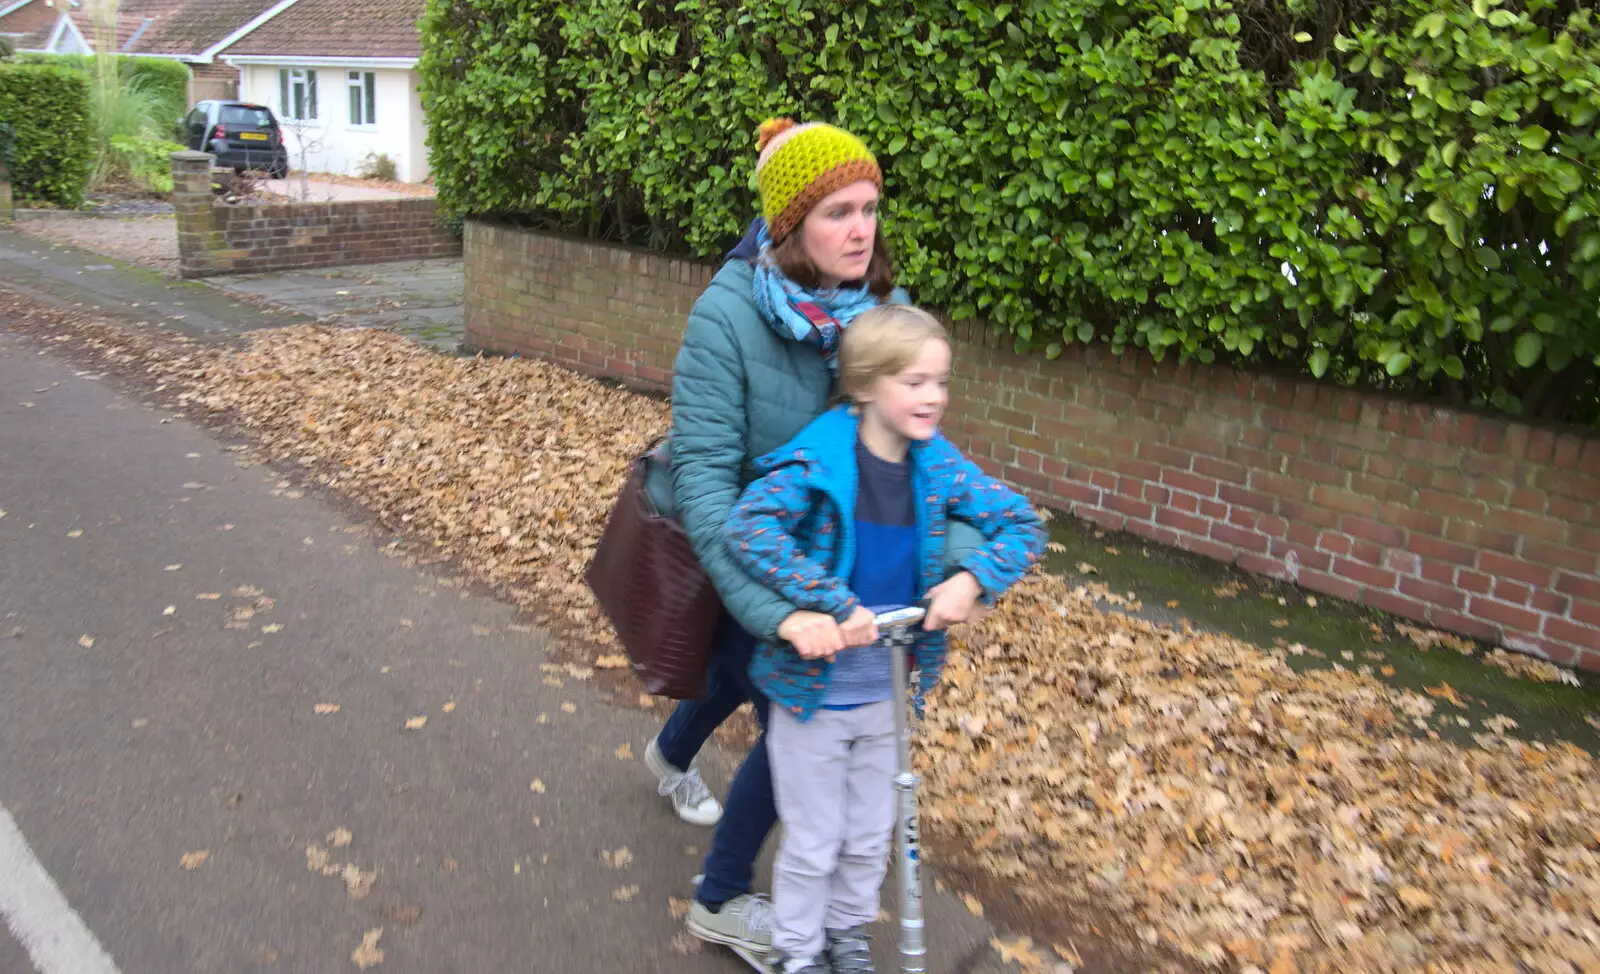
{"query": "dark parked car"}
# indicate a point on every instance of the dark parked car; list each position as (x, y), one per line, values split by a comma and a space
(241, 135)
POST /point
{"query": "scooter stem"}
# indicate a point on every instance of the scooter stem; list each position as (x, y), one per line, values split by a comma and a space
(895, 629)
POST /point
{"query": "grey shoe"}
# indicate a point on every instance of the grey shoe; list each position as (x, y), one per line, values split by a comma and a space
(744, 923)
(691, 799)
(850, 951)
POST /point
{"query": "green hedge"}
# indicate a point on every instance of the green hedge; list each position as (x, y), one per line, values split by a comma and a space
(47, 108)
(1402, 195)
(167, 80)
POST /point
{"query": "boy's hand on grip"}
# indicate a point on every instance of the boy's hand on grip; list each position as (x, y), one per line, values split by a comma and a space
(861, 629)
(952, 601)
(814, 635)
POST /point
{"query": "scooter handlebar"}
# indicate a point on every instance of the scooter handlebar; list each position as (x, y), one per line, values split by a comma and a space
(897, 621)
(900, 618)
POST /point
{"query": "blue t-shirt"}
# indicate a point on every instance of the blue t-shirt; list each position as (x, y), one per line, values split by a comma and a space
(885, 573)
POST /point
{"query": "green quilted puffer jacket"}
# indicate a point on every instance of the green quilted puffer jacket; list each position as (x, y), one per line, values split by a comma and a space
(739, 392)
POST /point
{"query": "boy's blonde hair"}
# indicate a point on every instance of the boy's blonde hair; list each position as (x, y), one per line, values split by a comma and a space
(884, 341)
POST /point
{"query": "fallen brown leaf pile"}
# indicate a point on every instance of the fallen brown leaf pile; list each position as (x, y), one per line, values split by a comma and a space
(1251, 815)
(1529, 667)
(1427, 639)
(509, 465)
(368, 953)
(1245, 814)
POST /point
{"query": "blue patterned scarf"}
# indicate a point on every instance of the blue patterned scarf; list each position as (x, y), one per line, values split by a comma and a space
(815, 317)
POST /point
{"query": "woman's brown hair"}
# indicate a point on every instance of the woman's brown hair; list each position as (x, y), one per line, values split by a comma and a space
(791, 258)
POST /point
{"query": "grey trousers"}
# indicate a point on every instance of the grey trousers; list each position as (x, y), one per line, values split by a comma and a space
(833, 777)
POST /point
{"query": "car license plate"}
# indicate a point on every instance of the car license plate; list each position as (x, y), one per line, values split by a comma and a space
(254, 136)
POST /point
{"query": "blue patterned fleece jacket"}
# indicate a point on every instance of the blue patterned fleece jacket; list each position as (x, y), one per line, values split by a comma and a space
(794, 531)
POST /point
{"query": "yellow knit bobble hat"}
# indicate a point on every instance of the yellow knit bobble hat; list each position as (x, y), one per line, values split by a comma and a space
(800, 164)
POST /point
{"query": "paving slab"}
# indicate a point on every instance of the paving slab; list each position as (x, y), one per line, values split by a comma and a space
(421, 299)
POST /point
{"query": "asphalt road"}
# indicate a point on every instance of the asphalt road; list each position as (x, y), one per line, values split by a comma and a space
(137, 727)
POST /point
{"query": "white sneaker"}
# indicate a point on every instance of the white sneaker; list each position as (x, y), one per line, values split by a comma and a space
(691, 799)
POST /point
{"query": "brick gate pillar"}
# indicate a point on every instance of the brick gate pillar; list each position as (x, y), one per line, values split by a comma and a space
(200, 243)
(5, 195)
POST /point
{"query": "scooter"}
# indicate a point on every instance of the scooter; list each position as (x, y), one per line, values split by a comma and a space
(897, 630)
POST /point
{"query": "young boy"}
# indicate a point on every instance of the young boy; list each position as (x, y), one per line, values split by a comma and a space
(848, 518)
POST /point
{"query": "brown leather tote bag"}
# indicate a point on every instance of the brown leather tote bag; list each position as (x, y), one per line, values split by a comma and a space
(649, 582)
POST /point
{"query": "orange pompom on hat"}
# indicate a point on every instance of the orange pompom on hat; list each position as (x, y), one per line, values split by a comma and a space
(800, 164)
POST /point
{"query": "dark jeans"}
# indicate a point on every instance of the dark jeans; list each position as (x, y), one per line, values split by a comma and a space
(750, 812)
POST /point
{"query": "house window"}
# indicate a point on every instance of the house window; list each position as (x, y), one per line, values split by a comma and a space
(297, 93)
(363, 87)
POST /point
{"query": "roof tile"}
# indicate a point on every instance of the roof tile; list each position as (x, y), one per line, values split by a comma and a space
(189, 26)
(339, 28)
(127, 27)
(30, 26)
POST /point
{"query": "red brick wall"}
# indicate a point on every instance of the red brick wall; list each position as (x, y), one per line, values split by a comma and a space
(1472, 524)
(289, 235)
(216, 80)
(595, 308)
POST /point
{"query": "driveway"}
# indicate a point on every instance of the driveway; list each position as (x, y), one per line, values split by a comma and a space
(149, 241)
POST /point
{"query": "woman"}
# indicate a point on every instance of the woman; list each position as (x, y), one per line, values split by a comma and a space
(757, 365)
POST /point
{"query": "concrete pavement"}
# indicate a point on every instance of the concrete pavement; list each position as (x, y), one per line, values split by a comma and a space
(420, 299)
(144, 720)
(68, 276)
